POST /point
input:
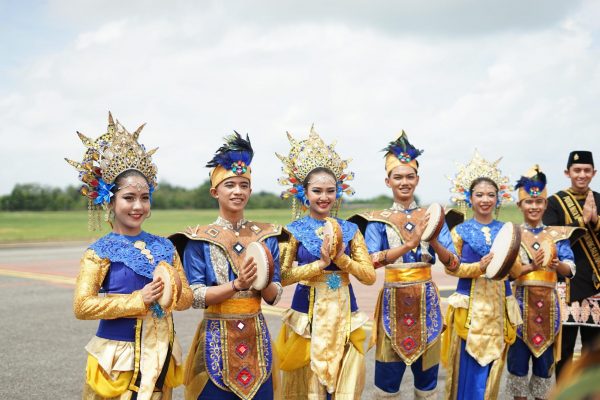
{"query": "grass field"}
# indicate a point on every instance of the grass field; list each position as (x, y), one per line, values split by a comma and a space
(19, 227)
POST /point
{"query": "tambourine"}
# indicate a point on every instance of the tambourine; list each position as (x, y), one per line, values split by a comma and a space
(435, 223)
(505, 249)
(264, 264)
(550, 252)
(336, 240)
(167, 273)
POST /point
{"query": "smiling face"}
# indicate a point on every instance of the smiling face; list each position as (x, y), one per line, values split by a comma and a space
(321, 194)
(232, 194)
(131, 205)
(533, 210)
(403, 181)
(484, 196)
(581, 176)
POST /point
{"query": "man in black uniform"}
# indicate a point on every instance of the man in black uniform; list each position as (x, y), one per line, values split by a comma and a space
(580, 295)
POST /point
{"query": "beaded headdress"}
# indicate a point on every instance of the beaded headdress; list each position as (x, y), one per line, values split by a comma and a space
(401, 152)
(105, 158)
(478, 167)
(532, 184)
(305, 156)
(232, 159)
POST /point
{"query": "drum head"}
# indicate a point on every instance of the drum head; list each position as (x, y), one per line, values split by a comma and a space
(505, 248)
(549, 249)
(163, 271)
(435, 223)
(333, 230)
(264, 264)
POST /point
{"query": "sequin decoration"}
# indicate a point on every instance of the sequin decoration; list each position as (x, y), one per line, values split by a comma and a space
(334, 281)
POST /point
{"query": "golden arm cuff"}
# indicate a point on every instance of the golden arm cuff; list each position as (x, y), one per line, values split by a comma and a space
(359, 263)
(187, 296)
(290, 273)
(464, 270)
(86, 302)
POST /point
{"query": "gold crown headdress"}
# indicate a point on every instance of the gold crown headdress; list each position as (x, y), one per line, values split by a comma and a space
(105, 158)
(305, 156)
(478, 167)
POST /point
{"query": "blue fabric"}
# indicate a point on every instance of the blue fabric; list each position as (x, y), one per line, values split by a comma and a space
(122, 329)
(472, 377)
(198, 267)
(388, 375)
(519, 356)
(433, 313)
(301, 299)
(213, 354)
(376, 240)
(304, 230)
(119, 248)
(213, 392)
(474, 243)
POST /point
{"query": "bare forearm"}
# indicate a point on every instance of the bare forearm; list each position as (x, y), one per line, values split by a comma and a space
(220, 293)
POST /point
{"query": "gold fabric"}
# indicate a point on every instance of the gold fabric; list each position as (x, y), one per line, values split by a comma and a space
(248, 305)
(219, 174)
(391, 162)
(324, 277)
(290, 272)
(359, 262)
(407, 274)
(537, 276)
(300, 381)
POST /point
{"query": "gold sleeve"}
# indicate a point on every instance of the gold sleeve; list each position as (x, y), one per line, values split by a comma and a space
(517, 268)
(291, 274)
(464, 270)
(359, 262)
(86, 302)
(186, 296)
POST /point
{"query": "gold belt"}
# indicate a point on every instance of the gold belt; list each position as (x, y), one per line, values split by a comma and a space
(548, 277)
(233, 308)
(324, 277)
(419, 272)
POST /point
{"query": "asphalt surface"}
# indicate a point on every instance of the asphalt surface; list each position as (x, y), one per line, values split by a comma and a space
(43, 354)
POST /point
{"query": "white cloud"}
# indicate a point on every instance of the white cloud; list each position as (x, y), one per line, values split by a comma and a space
(526, 90)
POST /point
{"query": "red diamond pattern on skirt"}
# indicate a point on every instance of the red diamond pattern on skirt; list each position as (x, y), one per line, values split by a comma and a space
(242, 350)
(538, 339)
(539, 304)
(408, 344)
(409, 320)
(244, 377)
(539, 319)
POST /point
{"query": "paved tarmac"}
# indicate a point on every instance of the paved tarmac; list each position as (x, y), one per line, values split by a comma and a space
(43, 354)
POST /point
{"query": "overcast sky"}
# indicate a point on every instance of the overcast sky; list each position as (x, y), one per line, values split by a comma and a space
(516, 79)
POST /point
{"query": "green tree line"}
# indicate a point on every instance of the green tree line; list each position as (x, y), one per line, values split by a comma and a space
(36, 197)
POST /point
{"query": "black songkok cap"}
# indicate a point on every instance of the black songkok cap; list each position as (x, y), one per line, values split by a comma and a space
(580, 157)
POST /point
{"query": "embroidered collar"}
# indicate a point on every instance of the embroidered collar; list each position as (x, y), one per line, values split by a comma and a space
(227, 224)
(400, 207)
(307, 231)
(479, 236)
(531, 228)
(120, 248)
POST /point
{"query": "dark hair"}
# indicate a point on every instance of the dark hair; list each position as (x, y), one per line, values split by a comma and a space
(482, 179)
(317, 171)
(127, 174)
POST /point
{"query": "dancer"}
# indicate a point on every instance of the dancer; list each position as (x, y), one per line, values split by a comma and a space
(135, 354)
(483, 314)
(321, 342)
(408, 319)
(230, 356)
(545, 252)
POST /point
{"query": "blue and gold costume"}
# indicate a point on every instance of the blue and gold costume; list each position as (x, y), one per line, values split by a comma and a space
(483, 314)
(231, 355)
(538, 299)
(321, 343)
(135, 353)
(128, 329)
(408, 315)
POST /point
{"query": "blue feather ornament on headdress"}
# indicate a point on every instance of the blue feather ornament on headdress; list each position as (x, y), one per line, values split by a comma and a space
(235, 155)
(402, 149)
(533, 185)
